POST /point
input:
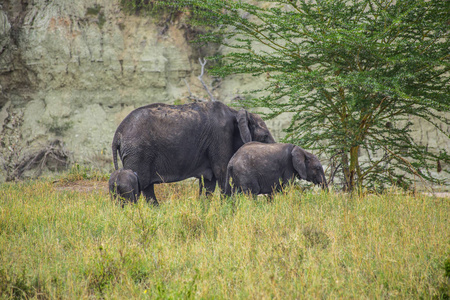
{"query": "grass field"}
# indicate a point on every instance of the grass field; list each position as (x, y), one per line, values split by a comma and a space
(68, 240)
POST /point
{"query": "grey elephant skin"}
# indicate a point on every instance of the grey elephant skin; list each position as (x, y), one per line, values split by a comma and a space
(124, 185)
(258, 168)
(168, 143)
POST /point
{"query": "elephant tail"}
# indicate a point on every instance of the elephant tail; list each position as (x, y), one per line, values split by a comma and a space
(115, 148)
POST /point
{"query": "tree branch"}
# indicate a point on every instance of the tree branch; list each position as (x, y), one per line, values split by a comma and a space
(192, 97)
(203, 64)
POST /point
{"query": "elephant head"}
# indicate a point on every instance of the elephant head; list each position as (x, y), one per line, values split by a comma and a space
(252, 128)
(308, 167)
(124, 184)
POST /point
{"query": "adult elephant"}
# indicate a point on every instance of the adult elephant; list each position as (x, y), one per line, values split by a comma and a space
(169, 143)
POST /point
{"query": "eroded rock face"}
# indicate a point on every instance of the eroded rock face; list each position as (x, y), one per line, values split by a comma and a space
(74, 69)
(5, 40)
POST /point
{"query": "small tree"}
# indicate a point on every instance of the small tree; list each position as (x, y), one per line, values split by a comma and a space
(352, 73)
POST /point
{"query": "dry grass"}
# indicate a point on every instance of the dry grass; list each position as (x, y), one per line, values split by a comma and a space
(75, 243)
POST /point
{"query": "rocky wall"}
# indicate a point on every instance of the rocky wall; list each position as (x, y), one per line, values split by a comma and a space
(72, 70)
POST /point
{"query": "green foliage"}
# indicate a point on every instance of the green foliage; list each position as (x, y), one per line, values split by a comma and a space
(82, 172)
(447, 267)
(444, 291)
(58, 126)
(57, 243)
(97, 11)
(350, 72)
(165, 12)
(154, 8)
(315, 237)
(18, 286)
(145, 220)
(178, 102)
(110, 267)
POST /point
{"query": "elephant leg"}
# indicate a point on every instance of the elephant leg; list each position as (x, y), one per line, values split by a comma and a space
(134, 197)
(271, 195)
(200, 186)
(209, 185)
(149, 194)
(253, 192)
(248, 185)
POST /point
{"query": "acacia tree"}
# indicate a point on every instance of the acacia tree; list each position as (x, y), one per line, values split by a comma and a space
(351, 72)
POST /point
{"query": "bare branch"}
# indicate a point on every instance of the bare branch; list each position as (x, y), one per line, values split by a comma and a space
(53, 150)
(192, 97)
(203, 64)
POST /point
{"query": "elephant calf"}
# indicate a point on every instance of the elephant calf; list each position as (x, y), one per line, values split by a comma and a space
(259, 168)
(124, 184)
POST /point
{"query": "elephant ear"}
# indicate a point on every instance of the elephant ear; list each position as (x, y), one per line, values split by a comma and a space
(298, 160)
(242, 119)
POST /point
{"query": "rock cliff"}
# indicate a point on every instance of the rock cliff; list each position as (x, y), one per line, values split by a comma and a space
(72, 70)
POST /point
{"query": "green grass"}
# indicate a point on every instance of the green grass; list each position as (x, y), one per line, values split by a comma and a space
(59, 243)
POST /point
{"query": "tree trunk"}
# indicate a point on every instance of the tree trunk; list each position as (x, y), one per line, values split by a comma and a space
(346, 171)
(351, 169)
(354, 167)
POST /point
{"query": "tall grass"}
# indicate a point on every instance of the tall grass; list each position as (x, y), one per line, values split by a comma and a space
(68, 244)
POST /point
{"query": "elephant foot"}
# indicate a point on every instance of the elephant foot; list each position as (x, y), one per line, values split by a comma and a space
(150, 196)
(154, 202)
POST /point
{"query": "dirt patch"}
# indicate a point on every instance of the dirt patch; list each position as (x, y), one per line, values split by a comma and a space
(85, 186)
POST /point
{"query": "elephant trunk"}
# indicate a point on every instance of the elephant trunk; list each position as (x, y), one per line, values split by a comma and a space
(324, 184)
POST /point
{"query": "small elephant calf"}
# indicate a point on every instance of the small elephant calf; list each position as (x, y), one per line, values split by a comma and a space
(124, 184)
(259, 168)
